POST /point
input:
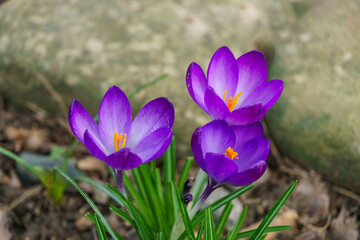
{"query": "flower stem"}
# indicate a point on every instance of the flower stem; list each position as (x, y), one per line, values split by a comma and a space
(211, 186)
(119, 179)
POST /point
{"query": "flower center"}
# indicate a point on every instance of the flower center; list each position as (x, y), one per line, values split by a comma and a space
(117, 140)
(232, 101)
(231, 153)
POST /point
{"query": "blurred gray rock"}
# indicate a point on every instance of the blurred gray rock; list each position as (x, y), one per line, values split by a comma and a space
(83, 47)
(317, 119)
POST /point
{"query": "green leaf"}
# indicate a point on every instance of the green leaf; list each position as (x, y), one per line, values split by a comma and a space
(143, 229)
(238, 225)
(268, 230)
(198, 185)
(57, 152)
(91, 217)
(159, 236)
(188, 228)
(122, 214)
(209, 232)
(273, 212)
(220, 225)
(90, 202)
(101, 188)
(201, 229)
(185, 172)
(216, 205)
(100, 229)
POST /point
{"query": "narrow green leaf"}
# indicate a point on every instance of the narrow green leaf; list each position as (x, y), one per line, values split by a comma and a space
(185, 172)
(146, 85)
(169, 162)
(100, 187)
(198, 186)
(268, 230)
(220, 225)
(209, 233)
(90, 202)
(238, 224)
(122, 214)
(111, 170)
(37, 171)
(263, 237)
(216, 205)
(144, 231)
(201, 229)
(273, 212)
(159, 187)
(100, 229)
(91, 217)
(188, 228)
(159, 236)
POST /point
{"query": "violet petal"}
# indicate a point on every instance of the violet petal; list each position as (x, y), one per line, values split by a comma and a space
(215, 105)
(94, 147)
(248, 176)
(216, 137)
(154, 144)
(114, 116)
(252, 73)
(251, 152)
(246, 115)
(123, 159)
(80, 121)
(247, 132)
(223, 72)
(197, 149)
(158, 113)
(266, 95)
(219, 166)
(196, 83)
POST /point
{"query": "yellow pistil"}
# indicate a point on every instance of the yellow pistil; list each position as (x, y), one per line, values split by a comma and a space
(232, 101)
(117, 140)
(231, 153)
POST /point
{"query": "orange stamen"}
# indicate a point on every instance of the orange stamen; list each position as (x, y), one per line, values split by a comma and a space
(117, 140)
(232, 101)
(231, 153)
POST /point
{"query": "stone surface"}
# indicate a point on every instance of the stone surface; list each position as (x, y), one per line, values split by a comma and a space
(83, 47)
(316, 121)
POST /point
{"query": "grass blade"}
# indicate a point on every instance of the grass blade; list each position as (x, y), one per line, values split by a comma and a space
(209, 233)
(90, 202)
(201, 229)
(188, 228)
(184, 173)
(99, 228)
(238, 225)
(101, 188)
(220, 225)
(268, 230)
(91, 217)
(122, 214)
(273, 212)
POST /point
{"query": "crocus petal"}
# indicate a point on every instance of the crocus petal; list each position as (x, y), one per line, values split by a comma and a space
(80, 121)
(197, 149)
(158, 113)
(223, 72)
(114, 116)
(216, 137)
(219, 166)
(215, 105)
(267, 94)
(196, 83)
(246, 115)
(247, 176)
(94, 147)
(154, 144)
(247, 132)
(251, 152)
(123, 159)
(252, 73)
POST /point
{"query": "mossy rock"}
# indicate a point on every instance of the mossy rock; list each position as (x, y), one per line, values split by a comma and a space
(317, 119)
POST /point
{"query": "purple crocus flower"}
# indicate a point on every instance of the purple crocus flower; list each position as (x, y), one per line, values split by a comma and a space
(235, 90)
(234, 155)
(122, 143)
